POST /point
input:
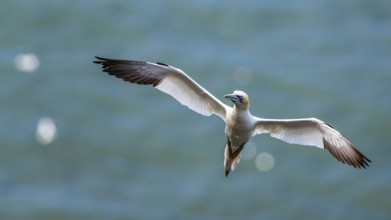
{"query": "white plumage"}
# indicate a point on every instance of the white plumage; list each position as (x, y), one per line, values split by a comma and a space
(241, 125)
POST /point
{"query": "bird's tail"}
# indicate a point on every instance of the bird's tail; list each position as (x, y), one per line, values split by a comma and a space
(230, 162)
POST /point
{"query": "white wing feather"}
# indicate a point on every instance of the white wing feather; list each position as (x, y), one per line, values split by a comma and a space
(313, 132)
(198, 100)
(168, 79)
(293, 131)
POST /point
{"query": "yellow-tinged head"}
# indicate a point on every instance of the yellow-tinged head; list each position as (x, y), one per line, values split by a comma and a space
(239, 98)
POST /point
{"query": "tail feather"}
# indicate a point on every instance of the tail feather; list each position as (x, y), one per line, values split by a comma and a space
(227, 172)
(227, 166)
(230, 162)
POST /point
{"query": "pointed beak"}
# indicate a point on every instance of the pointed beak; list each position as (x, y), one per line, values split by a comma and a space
(234, 98)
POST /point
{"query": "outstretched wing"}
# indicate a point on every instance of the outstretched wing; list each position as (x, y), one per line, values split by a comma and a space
(167, 79)
(313, 132)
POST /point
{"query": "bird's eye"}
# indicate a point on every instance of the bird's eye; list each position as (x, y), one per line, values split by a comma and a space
(240, 97)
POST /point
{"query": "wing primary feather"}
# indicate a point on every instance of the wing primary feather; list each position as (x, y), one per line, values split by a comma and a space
(167, 79)
(129, 71)
(347, 154)
(308, 132)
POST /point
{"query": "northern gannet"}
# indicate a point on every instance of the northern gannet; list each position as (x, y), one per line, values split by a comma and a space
(241, 125)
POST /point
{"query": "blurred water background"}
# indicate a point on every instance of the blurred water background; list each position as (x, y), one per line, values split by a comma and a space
(78, 144)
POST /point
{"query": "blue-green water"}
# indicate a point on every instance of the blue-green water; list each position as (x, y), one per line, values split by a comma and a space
(129, 152)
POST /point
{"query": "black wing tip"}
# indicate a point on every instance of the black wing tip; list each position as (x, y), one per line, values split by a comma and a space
(162, 64)
(358, 160)
(129, 70)
(363, 162)
(99, 60)
(362, 165)
(109, 61)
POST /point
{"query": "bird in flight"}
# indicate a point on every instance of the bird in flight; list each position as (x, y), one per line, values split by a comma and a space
(241, 125)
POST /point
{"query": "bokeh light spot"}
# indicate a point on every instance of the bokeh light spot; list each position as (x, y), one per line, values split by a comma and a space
(46, 131)
(27, 62)
(264, 162)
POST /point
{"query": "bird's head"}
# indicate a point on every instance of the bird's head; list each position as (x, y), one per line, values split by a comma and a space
(239, 98)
